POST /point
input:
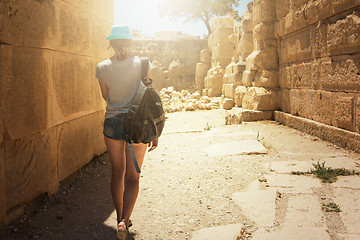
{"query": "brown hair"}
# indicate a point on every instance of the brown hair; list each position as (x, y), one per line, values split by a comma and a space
(121, 48)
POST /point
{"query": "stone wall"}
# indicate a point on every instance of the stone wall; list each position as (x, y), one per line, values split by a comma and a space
(300, 57)
(174, 61)
(51, 108)
(319, 56)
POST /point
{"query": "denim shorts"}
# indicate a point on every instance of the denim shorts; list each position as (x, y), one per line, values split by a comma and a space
(114, 127)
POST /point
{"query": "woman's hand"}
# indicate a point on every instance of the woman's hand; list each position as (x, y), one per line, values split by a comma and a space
(153, 145)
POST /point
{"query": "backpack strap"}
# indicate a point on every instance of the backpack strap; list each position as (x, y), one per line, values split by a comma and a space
(144, 62)
(133, 157)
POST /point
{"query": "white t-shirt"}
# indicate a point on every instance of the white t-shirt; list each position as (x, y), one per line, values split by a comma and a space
(123, 79)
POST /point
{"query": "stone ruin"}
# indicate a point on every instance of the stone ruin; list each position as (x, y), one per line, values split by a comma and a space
(288, 59)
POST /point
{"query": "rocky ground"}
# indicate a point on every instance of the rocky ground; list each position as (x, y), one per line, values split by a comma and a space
(208, 180)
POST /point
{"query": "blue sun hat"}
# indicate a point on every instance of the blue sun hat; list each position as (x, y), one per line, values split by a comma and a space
(120, 32)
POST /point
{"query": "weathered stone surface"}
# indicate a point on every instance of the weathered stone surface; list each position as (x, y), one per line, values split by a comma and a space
(158, 76)
(229, 90)
(296, 46)
(71, 77)
(78, 141)
(257, 98)
(30, 167)
(343, 113)
(344, 33)
(266, 78)
(239, 95)
(16, 28)
(202, 69)
(322, 107)
(24, 91)
(264, 10)
(239, 115)
(228, 104)
(338, 136)
(341, 73)
(282, 8)
(285, 100)
(205, 56)
(248, 78)
(223, 50)
(221, 22)
(218, 232)
(300, 100)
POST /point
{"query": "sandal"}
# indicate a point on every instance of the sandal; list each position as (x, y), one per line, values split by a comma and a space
(122, 233)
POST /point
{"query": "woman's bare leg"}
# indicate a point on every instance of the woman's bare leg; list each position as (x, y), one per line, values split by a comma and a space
(132, 180)
(116, 150)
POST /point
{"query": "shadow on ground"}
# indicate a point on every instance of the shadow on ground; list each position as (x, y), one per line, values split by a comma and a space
(80, 210)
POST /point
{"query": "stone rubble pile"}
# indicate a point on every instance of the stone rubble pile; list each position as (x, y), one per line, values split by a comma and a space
(176, 101)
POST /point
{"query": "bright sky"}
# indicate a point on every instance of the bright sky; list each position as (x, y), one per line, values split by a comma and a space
(143, 15)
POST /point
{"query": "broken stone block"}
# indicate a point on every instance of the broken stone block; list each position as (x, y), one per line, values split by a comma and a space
(266, 78)
(229, 90)
(258, 98)
(228, 103)
(239, 115)
(239, 95)
(248, 78)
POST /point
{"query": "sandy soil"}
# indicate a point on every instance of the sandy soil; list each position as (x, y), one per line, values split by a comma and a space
(182, 189)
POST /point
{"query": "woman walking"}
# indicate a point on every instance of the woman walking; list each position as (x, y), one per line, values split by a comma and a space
(119, 78)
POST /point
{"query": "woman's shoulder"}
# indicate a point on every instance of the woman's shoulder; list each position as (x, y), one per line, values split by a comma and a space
(104, 63)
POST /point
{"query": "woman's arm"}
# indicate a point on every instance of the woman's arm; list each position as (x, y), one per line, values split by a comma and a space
(104, 90)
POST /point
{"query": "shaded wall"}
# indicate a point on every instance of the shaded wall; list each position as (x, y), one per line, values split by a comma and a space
(51, 109)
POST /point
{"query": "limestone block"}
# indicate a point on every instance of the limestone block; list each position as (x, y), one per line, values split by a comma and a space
(239, 95)
(247, 24)
(322, 107)
(282, 8)
(264, 30)
(265, 59)
(73, 38)
(239, 115)
(223, 50)
(300, 101)
(301, 74)
(296, 46)
(341, 73)
(223, 34)
(229, 68)
(24, 93)
(251, 61)
(214, 81)
(30, 167)
(246, 43)
(229, 90)
(266, 78)
(357, 114)
(205, 56)
(74, 87)
(200, 83)
(261, 99)
(248, 78)
(239, 67)
(78, 141)
(228, 104)
(285, 100)
(202, 69)
(344, 35)
(324, 8)
(286, 77)
(343, 116)
(214, 92)
(18, 29)
(316, 74)
(320, 48)
(264, 11)
(341, 5)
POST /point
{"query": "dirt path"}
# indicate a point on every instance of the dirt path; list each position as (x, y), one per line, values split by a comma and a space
(183, 189)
